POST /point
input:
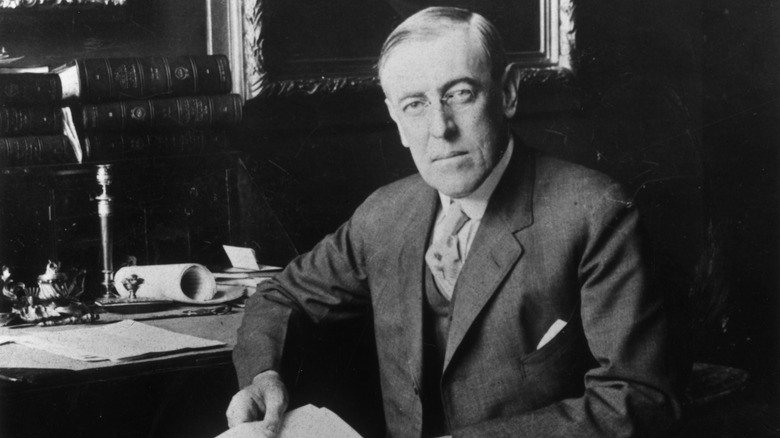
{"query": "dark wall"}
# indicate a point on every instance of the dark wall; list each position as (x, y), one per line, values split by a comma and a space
(741, 109)
(678, 100)
(53, 35)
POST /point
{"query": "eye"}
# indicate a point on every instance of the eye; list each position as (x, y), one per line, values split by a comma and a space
(414, 108)
(459, 96)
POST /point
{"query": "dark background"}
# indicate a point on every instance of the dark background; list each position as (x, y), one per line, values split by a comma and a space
(679, 100)
(303, 31)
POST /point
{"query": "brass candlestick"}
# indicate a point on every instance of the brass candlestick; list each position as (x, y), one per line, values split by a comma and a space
(106, 239)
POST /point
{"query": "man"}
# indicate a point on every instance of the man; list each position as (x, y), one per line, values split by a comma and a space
(468, 308)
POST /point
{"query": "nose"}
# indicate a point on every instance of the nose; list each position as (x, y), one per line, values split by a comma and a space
(440, 121)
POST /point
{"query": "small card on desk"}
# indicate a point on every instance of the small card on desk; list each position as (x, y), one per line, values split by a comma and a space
(246, 273)
(243, 258)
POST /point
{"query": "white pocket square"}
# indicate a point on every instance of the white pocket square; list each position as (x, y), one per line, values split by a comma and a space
(554, 329)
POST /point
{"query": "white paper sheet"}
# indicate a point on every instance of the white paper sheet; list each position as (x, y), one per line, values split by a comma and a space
(118, 342)
(305, 422)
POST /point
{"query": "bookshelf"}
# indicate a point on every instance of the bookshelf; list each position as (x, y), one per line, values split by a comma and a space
(173, 205)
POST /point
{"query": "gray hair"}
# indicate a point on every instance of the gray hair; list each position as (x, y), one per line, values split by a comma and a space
(433, 22)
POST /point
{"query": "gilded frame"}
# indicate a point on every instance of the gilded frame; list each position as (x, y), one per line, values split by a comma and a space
(247, 42)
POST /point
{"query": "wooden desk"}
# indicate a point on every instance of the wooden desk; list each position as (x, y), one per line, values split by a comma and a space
(182, 394)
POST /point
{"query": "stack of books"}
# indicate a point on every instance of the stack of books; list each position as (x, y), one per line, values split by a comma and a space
(109, 109)
(36, 126)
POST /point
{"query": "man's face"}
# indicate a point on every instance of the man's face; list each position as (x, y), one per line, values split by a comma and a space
(450, 113)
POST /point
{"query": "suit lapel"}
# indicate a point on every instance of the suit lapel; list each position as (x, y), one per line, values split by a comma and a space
(495, 249)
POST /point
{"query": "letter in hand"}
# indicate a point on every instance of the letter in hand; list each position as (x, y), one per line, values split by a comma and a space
(265, 398)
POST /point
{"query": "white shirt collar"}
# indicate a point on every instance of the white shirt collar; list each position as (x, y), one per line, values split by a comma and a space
(475, 204)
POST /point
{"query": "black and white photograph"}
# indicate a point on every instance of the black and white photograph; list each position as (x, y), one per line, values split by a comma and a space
(389, 218)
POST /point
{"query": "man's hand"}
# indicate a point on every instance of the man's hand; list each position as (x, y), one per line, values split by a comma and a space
(265, 397)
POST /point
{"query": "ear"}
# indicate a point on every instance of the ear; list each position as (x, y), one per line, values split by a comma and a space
(509, 85)
(394, 116)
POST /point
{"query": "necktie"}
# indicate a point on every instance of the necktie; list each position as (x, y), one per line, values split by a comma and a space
(444, 255)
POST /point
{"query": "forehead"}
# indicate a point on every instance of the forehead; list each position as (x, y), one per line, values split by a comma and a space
(420, 65)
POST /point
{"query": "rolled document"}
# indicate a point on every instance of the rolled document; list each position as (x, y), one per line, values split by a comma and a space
(186, 282)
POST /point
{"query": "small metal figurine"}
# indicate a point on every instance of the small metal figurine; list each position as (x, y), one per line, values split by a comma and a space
(51, 283)
(132, 283)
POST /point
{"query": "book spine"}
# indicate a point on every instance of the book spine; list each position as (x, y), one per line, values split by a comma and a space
(107, 79)
(30, 88)
(189, 112)
(36, 150)
(117, 146)
(21, 121)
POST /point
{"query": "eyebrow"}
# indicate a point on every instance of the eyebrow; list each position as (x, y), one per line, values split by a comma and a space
(467, 80)
(447, 85)
(410, 96)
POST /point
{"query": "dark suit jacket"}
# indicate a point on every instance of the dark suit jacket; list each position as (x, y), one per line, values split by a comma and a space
(558, 241)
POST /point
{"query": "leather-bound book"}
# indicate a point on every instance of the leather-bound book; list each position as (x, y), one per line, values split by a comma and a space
(36, 150)
(110, 79)
(30, 120)
(188, 112)
(30, 88)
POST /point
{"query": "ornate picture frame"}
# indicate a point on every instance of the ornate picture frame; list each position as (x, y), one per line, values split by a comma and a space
(257, 50)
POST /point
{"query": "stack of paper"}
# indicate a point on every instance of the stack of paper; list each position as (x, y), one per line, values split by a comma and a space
(118, 342)
(305, 422)
(229, 282)
(246, 274)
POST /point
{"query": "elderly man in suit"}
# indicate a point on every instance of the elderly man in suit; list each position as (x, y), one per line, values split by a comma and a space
(508, 290)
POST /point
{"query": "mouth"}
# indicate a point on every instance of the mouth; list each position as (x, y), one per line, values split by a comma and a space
(448, 155)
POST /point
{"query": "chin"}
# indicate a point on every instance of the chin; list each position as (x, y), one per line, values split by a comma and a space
(455, 181)
(457, 189)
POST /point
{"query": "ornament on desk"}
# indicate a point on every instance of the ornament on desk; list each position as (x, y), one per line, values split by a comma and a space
(50, 313)
(131, 284)
(51, 283)
(12, 290)
(64, 308)
(54, 302)
(58, 287)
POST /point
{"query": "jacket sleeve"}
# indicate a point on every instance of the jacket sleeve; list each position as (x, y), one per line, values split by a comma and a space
(629, 393)
(324, 285)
